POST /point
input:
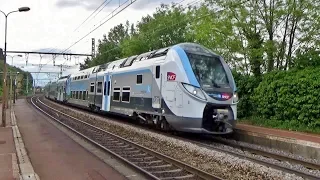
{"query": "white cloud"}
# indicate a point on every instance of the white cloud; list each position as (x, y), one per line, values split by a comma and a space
(51, 24)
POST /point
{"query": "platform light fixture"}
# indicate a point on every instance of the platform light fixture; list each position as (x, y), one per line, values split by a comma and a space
(4, 99)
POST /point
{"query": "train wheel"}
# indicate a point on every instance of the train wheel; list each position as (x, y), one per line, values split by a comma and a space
(164, 126)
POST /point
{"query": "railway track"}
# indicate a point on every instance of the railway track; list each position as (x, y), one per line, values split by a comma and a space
(209, 143)
(276, 156)
(148, 162)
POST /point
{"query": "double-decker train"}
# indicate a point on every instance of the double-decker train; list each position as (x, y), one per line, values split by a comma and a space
(185, 87)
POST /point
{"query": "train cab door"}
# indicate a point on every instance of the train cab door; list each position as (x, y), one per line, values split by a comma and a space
(156, 87)
(106, 92)
(59, 93)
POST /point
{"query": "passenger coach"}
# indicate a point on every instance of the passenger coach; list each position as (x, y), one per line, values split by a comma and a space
(185, 87)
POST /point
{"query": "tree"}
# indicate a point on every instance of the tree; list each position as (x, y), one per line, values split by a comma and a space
(85, 65)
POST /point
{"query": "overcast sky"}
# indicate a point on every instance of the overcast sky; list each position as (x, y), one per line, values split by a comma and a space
(50, 26)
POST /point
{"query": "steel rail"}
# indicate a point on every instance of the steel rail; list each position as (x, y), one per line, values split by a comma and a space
(251, 150)
(167, 159)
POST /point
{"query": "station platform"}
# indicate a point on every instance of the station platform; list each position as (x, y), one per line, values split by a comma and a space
(281, 133)
(8, 158)
(304, 144)
(33, 148)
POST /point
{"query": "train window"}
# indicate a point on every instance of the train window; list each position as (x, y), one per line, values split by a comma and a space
(80, 94)
(81, 77)
(129, 61)
(157, 72)
(99, 88)
(125, 94)
(84, 95)
(139, 79)
(85, 76)
(104, 88)
(108, 88)
(91, 88)
(116, 94)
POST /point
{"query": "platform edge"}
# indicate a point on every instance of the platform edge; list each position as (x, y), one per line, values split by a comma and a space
(26, 171)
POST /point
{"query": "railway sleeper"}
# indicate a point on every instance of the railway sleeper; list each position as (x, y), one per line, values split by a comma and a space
(170, 171)
(174, 174)
(191, 176)
(131, 155)
(143, 159)
(147, 162)
(164, 165)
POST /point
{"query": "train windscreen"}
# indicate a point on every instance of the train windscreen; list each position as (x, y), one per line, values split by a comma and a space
(208, 70)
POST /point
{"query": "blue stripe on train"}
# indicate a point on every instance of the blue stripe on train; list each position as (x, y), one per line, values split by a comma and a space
(186, 65)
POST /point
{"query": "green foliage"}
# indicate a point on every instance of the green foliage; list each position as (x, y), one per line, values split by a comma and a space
(311, 58)
(246, 85)
(290, 96)
(21, 78)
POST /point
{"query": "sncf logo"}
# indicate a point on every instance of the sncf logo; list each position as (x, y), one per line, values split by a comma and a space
(171, 76)
(225, 96)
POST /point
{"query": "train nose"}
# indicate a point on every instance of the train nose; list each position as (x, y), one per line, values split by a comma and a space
(217, 119)
(220, 116)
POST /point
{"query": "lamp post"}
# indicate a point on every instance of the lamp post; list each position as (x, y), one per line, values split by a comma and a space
(4, 95)
(14, 88)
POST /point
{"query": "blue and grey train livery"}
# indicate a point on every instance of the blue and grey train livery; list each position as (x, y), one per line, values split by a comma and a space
(185, 87)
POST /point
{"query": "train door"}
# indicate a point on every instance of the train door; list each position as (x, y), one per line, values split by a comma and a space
(106, 93)
(59, 92)
(156, 87)
(64, 93)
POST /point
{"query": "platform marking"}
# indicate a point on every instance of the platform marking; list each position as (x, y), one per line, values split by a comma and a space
(24, 164)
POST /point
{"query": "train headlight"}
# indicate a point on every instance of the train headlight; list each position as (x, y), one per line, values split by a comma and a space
(235, 98)
(195, 91)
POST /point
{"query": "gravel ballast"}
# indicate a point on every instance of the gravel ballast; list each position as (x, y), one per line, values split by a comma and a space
(211, 161)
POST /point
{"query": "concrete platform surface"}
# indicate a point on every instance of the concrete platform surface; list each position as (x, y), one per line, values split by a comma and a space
(7, 155)
(8, 160)
(303, 144)
(53, 154)
(281, 133)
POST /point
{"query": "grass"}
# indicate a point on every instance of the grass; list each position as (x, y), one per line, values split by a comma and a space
(292, 125)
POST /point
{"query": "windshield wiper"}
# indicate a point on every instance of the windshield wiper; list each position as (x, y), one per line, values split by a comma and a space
(215, 84)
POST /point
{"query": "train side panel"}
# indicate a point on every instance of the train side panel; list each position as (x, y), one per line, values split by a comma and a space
(79, 92)
(131, 92)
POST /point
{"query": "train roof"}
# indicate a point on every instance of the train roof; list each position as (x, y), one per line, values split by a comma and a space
(153, 54)
(84, 72)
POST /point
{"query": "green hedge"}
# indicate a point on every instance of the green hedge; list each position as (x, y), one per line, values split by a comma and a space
(289, 96)
(245, 85)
